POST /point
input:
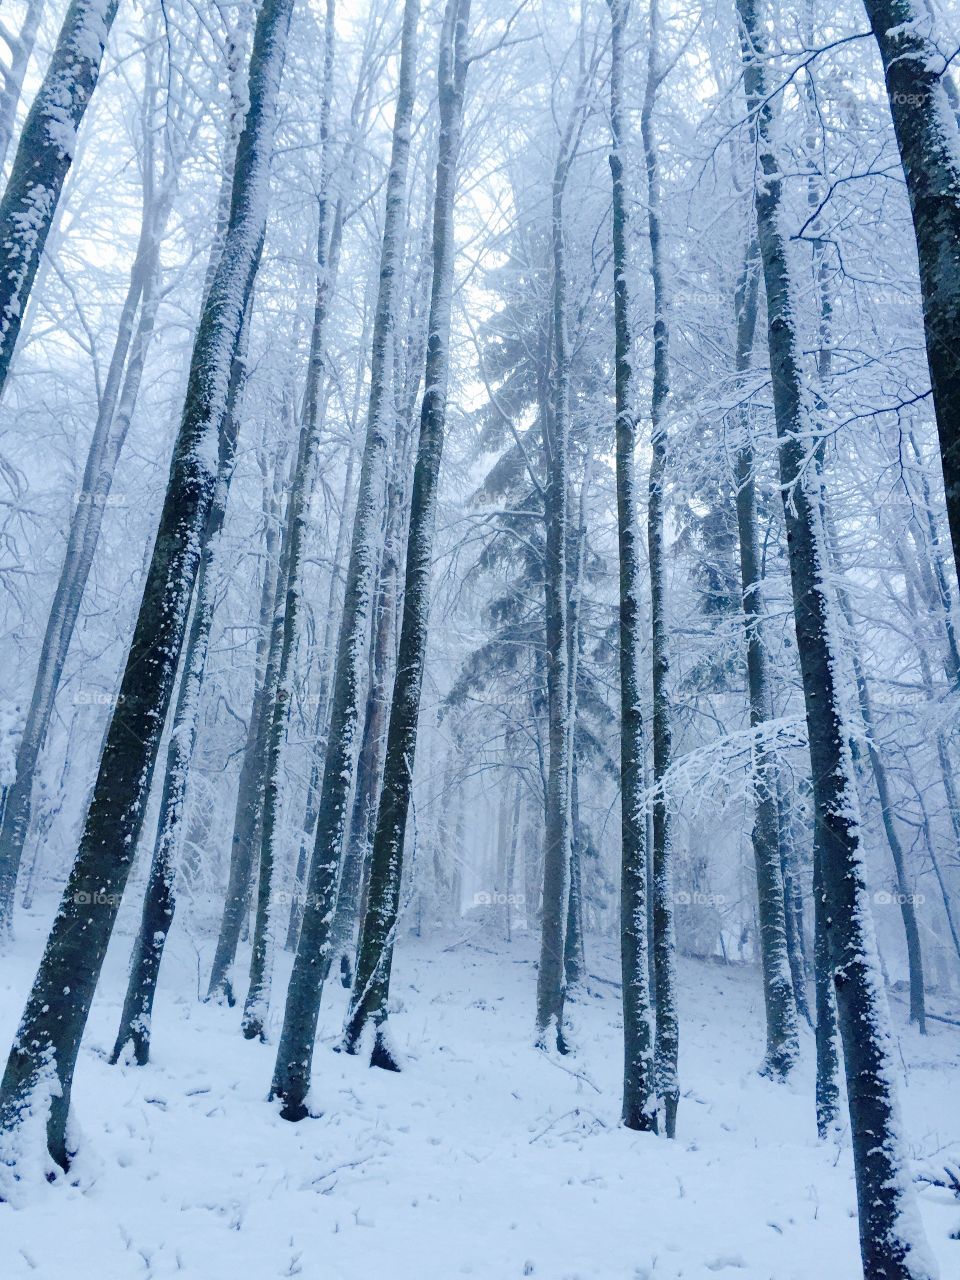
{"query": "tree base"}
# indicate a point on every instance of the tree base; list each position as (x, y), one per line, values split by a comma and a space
(639, 1120)
(382, 1057)
(670, 1107)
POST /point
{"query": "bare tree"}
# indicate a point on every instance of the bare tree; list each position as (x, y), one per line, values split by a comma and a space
(371, 984)
(891, 1239)
(39, 1071)
(44, 155)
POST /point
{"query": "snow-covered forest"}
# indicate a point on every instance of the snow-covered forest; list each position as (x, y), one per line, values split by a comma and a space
(480, 639)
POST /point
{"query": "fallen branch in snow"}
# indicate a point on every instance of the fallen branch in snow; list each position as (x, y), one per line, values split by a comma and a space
(950, 1183)
(938, 1017)
(609, 982)
(574, 1111)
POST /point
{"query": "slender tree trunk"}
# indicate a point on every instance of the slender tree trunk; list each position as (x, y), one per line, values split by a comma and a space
(512, 860)
(930, 550)
(371, 985)
(878, 770)
(574, 953)
(555, 415)
(322, 723)
(891, 1238)
(21, 50)
(39, 1072)
(246, 820)
(639, 1092)
(827, 1028)
(783, 1045)
(370, 761)
(115, 412)
(928, 136)
(946, 775)
(945, 895)
(113, 421)
(159, 901)
(44, 155)
(382, 660)
(667, 1043)
(574, 947)
(257, 1004)
(291, 1080)
(793, 902)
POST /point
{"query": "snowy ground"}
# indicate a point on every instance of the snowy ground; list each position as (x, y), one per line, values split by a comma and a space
(484, 1158)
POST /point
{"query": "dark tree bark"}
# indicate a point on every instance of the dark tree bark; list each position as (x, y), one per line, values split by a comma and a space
(561, 701)
(793, 903)
(159, 901)
(257, 1004)
(322, 722)
(667, 1039)
(39, 1072)
(639, 1093)
(574, 952)
(249, 804)
(891, 1239)
(928, 136)
(370, 761)
(783, 1046)
(291, 1080)
(115, 410)
(371, 985)
(43, 158)
(878, 770)
(827, 1028)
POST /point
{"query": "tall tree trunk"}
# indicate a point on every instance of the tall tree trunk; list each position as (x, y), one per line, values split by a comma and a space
(44, 155)
(115, 410)
(827, 1029)
(383, 641)
(371, 985)
(370, 761)
(249, 804)
(39, 1072)
(257, 1003)
(891, 1239)
(291, 1079)
(115, 413)
(930, 551)
(574, 947)
(792, 901)
(105, 447)
(667, 1043)
(21, 49)
(555, 417)
(948, 908)
(905, 893)
(322, 722)
(639, 1091)
(574, 951)
(946, 773)
(159, 901)
(928, 136)
(783, 1045)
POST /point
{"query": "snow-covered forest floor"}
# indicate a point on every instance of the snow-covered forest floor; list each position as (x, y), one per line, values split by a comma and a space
(484, 1158)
